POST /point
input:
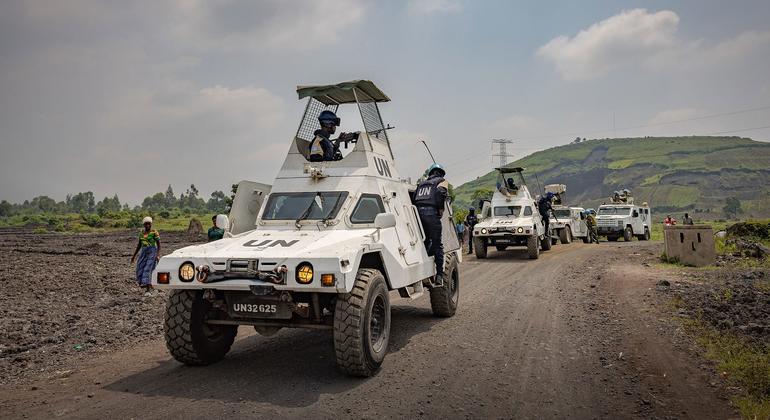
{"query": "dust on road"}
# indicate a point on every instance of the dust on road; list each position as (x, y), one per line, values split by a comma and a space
(576, 334)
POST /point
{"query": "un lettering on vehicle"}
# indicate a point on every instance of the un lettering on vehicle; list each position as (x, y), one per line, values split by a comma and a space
(248, 307)
(382, 167)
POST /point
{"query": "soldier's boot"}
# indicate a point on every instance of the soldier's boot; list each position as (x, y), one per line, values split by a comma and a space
(438, 280)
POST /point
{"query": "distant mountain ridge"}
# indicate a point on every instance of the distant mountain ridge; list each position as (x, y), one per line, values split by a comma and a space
(672, 174)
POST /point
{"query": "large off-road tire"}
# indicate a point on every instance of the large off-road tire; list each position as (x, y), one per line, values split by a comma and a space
(565, 235)
(362, 325)
(546, 243)
(480, 247)
(189, 338)
(501, 247)
(628, 234)
(533, 247)
(443, 300)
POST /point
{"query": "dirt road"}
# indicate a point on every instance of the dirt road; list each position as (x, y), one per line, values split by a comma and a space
(575, 334)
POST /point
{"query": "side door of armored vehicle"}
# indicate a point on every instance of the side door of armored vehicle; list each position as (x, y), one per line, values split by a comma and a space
(637, 222)
(579, 227)
(408, 227)
(246, 204)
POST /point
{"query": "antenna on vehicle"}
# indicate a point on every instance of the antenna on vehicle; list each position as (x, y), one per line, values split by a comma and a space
(542, 191)
(428, 149)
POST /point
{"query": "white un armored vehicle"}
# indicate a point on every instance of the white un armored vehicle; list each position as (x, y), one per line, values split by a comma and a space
(568, 222)
(321, 248)
(622, 218)
(511, 218)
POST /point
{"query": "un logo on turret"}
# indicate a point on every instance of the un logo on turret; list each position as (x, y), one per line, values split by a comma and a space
(382, 167)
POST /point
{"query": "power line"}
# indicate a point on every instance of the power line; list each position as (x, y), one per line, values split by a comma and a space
(502, 153)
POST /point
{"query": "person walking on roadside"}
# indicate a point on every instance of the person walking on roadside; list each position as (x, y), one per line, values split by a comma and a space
(687, 220)
(215, 233)
(593, 235)
(470, 221)
(460, 229)
(148, 249)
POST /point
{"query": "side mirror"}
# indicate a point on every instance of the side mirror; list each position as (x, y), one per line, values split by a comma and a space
(385, 220)
(223, 222)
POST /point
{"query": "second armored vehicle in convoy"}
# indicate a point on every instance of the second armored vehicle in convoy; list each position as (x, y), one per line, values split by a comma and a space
(321, 248)
(623, 218)
(568, 222)
(511, 218)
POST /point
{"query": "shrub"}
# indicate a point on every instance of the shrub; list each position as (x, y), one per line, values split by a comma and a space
(91, 220)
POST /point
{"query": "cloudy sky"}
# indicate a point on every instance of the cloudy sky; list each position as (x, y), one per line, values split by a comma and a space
(128, 97)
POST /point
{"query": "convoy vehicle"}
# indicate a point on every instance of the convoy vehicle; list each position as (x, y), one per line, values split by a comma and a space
(321, 248)
(568, 222)
(622, 218)
(511, 218)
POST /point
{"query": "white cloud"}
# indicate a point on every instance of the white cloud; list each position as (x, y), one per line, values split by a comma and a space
(640, 39)
(235, 25)
(627, 38)
(674, 115)
(429, 7)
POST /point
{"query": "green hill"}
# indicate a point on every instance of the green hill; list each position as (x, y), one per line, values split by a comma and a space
(672, 174)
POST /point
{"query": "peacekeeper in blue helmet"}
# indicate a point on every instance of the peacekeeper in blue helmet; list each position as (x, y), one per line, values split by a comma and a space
(322, 148)
(430, 198)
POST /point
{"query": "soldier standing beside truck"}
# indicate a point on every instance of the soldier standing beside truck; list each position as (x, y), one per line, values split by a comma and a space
(593, 235)
(470, 220)
(429, 197)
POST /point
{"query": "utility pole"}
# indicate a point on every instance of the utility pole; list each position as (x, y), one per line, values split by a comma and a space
(502, 152)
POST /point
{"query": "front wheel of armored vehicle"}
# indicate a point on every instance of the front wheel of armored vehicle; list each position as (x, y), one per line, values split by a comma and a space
(443, 300)
(481, 247)
(628, 234)
(362, 325)
(189, 338)
(565, 236)
(546, 243)
(533, 247)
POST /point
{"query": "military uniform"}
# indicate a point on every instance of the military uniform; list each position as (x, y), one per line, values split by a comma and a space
(321, 148)
(429, 198)
(544, 208)
(593, 235)
(470, 220)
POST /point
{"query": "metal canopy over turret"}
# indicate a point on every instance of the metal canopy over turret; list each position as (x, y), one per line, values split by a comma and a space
(344, 93)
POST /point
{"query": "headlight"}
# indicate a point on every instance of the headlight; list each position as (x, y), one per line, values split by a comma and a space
(483, 230)
(187, 271)
(520, 230)
(304, 273)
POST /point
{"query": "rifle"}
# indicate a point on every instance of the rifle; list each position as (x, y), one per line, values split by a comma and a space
(346, 138)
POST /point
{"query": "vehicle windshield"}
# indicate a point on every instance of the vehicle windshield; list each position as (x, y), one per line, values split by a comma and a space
(508, 211)
(304, 205)
(614, 211)
(562, 213)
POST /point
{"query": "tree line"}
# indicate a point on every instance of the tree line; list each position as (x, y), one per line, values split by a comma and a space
(86, 203)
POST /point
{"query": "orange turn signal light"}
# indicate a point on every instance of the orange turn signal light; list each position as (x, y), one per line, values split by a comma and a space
(162, 278)
(327, 280)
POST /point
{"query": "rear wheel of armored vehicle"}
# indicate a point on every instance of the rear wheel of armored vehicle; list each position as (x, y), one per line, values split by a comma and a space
(628, 234)
(362, 325)
(189, 338)
(443, 300)
(645, 236)
(546, 243)
(480, 244)
(565, 236)
(501, 247)
(533, 247)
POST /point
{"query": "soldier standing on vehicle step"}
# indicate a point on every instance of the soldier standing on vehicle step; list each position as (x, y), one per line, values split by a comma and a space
(470, 220)
(430, 198)
(545, 207)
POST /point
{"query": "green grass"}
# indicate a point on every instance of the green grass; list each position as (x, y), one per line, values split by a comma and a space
(745, 365)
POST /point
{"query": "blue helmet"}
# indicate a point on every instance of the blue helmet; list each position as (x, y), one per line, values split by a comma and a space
(436, 167)
(471, 209)
(328, 117)
(549, 195)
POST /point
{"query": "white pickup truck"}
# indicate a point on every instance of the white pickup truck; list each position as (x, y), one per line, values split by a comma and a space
(624, 219)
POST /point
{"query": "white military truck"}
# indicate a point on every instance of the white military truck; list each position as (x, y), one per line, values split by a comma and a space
(511, 218)
(568, 222)
(321, 248)
(622, 218)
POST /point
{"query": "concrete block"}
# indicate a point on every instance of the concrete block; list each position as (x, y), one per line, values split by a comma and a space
(691, 245)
